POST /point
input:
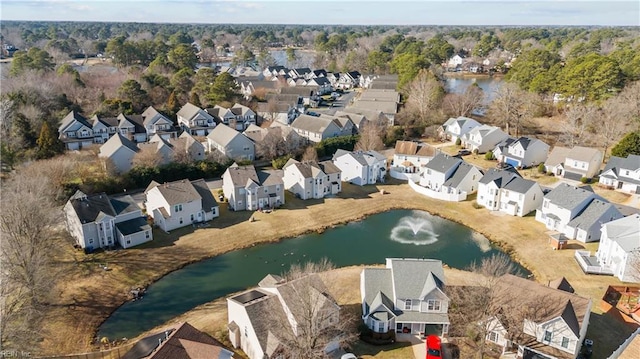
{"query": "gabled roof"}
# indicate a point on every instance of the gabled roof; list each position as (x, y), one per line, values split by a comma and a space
(151, 114)
(240, 110)
(134, 225)
(189, 111)
(241, 174)
(181, 191)
(500, 177)
(520, 185)
(88, 208)
(442, 162)
(328, 167)
(271, 281)
(557, 156)
(320, 81)
(412, 148)
(377, 280)
(313, 124)
(73, 116)
(459, 175)
(585, 154)
(116, 142)
(270, 177)
(613, 164)
(135, 120)
(632, 163)
(562, 284)
(625, 231)
(592, 214)
(410, 276)
(124, 204)
(223, 135)
(206, 196)
(307, 169)
(568, 196)
(106, 121)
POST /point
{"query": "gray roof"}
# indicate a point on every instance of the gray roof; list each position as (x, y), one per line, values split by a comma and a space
(585, 154)
(320, 81)
(89, 207)
(150, 113)
(116, 142)
(632, 162)
(107, 121)
(132, 226)
(520, 185)
(263, 324)
(377, 280)
(328, 167)
(592, 214)
(124, 204)
(419, 317)
(189, 111)
(458, 175)
(313, 124)
(270, 177)
(223, 135)
(500, 177)
(414, 278)
(241, 174)
(442, 162)
(390, 107)
(203, 190)
(625, 231)
(557, 156)
(613, 164)
(177, 192)
(73, 116)
(567, 196)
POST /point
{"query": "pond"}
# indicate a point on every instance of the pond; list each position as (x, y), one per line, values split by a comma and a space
(489, 85)
(397, 233)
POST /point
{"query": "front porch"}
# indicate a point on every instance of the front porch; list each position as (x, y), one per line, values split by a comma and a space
(421, 329)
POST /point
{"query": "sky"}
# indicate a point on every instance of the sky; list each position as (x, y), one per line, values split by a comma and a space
(350, 12)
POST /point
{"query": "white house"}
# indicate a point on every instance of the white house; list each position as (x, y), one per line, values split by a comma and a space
(156, 123)
(520, 197)
(622, 173)
(180, 203)
(574, 163)
(238, 117)
(361, 168)
(311, 179)
(575, 212)
(118, 152)
(411, 157)
(619, 248)
(463, 180)
(231, 143)
(248, 189)
(455, 61)
(482, 139)
(537, 321)
(97, 221)
(75, 131)
(448, 174)
(262, 320)
(131, 127)
(407, 296)
(524, 152)
(457, 127)
(490, 185)
(195, 120)
(316, 129)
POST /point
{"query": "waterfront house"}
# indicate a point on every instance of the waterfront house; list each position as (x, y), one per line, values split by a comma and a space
(180, 203)
(451, 175)
(490, 185)
(412, 156)
(361, 168)
(520, 197)
(619, 248)
(248, 189)
(311, 179)
(407, 296)
(456, 127)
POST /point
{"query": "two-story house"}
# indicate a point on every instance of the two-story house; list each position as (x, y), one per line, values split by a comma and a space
(248, 189)
(576, 212)
(407, 296)
(520, 197)
(456, 127)
(449, 174)
(619, 248)
(323, 84)
(97, 221)
(156, 123)
(523, 152)
(103, 128)
(180, 203)
(622, 173)
(118, 153)
(264, 320)
(537, 321)
(316, 129)
(311, 179)
(411, 156)
(195, 120)
(361, 168)
(483, 138)
(131, 127)
(75, 131)
(490, 185)
(231, 143)
(574, 163)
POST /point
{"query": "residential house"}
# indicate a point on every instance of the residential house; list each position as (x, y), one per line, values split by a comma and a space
(359, 120)
(317, 73)
(276, 111)
(348, 80)
(316, 129)
(231, 143)
(195, 120)
(299, 73)
(537, 321)
(75, 131)
(311, 179)
(524, 152)
(619, 248)
(448, 174)
(323, 84)
(385, 101)
(576, 212)
(179, 341)
(622, 173)
(483, 138)
(520, 197)
(361, 168)
(97, 221)
(180, 203)
(309, 94)
(163, 149)
(132, 127)
(347, 127)
(369, 115)
(119, 152)
(490, 185)
(103, 128)
(248, 189)
(273, 71)
(411, 156)
(156, 123)
(261, 320)
(257, 88)
(195, 150)
(276, 139)
(455, 62)
(243, 117)
(457, 127)
(575, 163)
(407, 296)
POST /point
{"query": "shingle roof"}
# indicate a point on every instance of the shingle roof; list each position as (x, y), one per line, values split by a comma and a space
(208, 202)
(500, 177)
(625, 231)
(107, 121)
(132, 226)
(458, 175)
(520, 185)
(177, 192)
(116, 142)
(632, 162)
(223, 134)
(412, 148)
(270, 177)
(614, 164)
(592, 214)
(124, 204)
(150, 114)
(567, 196)
(73, 116)
(557, 156)
(585, 154)
(241, 174)
(410, 276)
(90, 207)
(188, 111)
(329, 167)
(312, 123)
(377, 280)
(442, 162)
(562, 284)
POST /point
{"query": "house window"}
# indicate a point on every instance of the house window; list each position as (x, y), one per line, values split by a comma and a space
(191, 217)
(177, 208)
(433, 305)
(565, 342)
(493, 337)
(407, 304)
(547, 336)
(128, 241)
(146, 233)
(380, 327)
(180, 220)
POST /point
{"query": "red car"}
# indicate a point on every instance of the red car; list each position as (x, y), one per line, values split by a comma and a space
(434, 347)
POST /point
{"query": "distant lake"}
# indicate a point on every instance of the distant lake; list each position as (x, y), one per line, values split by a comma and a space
(488, 84)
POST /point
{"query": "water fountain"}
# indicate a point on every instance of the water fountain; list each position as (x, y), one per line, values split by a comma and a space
(415, 230)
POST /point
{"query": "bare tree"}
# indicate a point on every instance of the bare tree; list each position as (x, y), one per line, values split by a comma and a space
(579, 118)
(630, 98)
(462, 104)
(310, 154)
(512, 107)
(612, 123)
(26, 276)
(370, 138)
(424, 97)
(147, 157)
(272, 145)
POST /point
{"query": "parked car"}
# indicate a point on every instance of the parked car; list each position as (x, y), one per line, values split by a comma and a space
(504, 166)
(335, 95)
(464, 153)
(311, 113)
(434, 347)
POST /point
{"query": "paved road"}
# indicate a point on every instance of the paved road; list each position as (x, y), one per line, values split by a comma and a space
(338, 105)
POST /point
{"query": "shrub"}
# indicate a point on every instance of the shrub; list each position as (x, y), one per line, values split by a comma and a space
(541, 168)
(475, 151)
(279, 162)
(476, 205)
(458, 141)
(329, 146)
(584, 180)
(489, 156)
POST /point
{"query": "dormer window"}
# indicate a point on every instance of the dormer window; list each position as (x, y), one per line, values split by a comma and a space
(407, 304)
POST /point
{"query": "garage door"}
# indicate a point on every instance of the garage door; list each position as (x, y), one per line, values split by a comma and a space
(512, 162)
